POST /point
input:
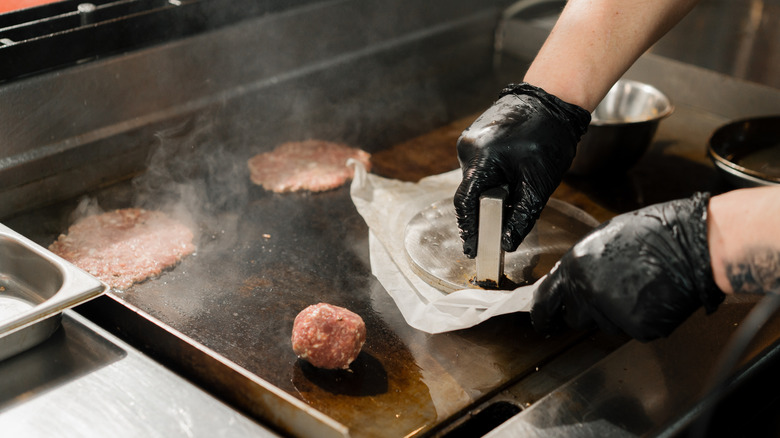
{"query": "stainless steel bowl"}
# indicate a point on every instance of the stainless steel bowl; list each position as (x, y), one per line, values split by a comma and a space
(621, 128)
(747, 152)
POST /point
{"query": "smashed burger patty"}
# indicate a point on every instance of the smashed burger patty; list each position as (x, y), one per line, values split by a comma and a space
(125, 246)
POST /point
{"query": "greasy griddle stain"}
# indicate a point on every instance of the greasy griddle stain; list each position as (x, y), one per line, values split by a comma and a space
(383, 393)
(254, 282)
(504, 283)
(365, 376)
(429, 154)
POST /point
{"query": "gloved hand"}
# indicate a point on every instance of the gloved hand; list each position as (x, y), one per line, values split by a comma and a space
(642, 273)
(525, 141)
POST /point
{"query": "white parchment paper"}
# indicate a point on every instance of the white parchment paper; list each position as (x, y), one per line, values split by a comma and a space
(387, 206)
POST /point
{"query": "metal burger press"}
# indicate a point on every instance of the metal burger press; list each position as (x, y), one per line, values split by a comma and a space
(434, 248)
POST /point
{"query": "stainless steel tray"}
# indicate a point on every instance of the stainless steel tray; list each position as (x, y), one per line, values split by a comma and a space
(35, 287)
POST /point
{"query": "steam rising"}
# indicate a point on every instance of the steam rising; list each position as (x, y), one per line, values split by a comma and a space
(194, 176)
(367, 95)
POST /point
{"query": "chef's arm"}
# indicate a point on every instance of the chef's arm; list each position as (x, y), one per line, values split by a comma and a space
(595, 41)
(527, 139)
(744, 240)
(645, 272)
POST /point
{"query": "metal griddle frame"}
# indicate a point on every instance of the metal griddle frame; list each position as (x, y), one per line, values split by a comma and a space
(67, 32)
(211, 370)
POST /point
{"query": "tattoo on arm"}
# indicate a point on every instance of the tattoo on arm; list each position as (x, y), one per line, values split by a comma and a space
(758, 272)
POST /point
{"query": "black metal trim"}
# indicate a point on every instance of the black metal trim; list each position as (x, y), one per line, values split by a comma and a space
(59, 34)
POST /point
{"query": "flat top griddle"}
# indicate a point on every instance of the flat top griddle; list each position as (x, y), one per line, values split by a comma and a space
(263, 257)
(262, 261)
(239, 295)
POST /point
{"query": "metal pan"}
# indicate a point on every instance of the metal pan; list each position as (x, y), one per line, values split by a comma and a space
(35, 287)
(747, 152)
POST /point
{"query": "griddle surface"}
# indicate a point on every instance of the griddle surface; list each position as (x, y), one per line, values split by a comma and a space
(262, 258)
(239, 294)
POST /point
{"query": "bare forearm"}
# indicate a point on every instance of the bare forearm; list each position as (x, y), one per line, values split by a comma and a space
(744, 240)
(595, 41)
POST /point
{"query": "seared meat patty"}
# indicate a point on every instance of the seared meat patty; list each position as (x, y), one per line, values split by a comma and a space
(313, 165)
(125, 246)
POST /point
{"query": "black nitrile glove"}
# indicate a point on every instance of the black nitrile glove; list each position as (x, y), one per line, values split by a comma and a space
(642, 273)
(525, 141)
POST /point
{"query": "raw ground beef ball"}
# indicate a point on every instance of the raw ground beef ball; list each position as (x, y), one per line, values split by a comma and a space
(328, 336)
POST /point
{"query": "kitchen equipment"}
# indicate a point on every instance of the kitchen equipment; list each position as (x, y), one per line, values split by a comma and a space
(621, 128)
(747, 152)
(490, 255)
(435, 251)
(84, 366)
(223, 318)
(387, 206)
(35, 287)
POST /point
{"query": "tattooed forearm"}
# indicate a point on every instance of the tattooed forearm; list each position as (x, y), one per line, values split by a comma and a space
(758, 272)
